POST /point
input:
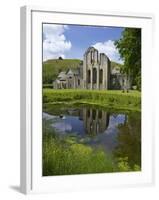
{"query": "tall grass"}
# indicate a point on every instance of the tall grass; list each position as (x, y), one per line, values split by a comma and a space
(109, 98)
(65, 157)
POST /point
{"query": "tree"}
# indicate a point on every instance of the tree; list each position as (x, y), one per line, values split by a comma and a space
(129, 46)
(60, 58)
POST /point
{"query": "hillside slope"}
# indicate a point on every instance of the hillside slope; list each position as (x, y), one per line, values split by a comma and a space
(51, 68)
(115, 65)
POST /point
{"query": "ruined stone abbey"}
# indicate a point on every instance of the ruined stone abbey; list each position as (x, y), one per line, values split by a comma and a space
(94, 72)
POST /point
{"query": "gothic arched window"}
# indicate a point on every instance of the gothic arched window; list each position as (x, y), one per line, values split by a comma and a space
(94, 75)
(89, 76)
(101, 76)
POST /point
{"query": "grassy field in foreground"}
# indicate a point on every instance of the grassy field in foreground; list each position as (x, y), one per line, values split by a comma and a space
(111, 98)
(64, 156)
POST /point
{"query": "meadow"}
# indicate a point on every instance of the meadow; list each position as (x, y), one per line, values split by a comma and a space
(111, 98)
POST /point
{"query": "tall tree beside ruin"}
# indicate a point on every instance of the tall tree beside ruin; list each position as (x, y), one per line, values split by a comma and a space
(129, 46)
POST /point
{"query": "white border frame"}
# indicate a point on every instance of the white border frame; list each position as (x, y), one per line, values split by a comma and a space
(31, 101)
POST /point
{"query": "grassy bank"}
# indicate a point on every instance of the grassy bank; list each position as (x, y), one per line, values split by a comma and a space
(64, 156)
(111, 98)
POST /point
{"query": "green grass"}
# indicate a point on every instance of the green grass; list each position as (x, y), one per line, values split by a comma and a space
(48, 85)
(114, 65)
(51, 68)
(111, 98)
(68, 157)
(64, 156)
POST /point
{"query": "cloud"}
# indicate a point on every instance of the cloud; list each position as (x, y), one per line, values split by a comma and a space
(109, 49)
(54, 41)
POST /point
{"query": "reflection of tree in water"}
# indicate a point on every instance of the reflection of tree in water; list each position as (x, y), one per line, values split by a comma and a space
(129, 140)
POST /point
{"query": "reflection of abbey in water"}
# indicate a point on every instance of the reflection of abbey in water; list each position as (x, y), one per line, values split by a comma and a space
(95, 121)
(93, 73)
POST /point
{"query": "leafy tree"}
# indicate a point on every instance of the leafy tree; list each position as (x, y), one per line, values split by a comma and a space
(60, 58)
(129, 46)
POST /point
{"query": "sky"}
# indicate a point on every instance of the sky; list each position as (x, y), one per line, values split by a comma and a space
(71, 41)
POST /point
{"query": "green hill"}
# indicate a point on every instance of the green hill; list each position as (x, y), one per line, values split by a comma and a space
(115, 65)
(51, 68)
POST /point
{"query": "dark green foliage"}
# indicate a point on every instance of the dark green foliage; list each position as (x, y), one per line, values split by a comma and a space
(60, 58)
(129, 46)
(129, 138)
(48, 85)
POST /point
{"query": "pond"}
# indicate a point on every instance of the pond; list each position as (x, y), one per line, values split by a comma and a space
(117, 133)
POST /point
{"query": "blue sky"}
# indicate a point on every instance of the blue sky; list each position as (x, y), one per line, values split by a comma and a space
(71, 41)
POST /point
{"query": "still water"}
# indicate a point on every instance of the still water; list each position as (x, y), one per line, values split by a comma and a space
(116, 132)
